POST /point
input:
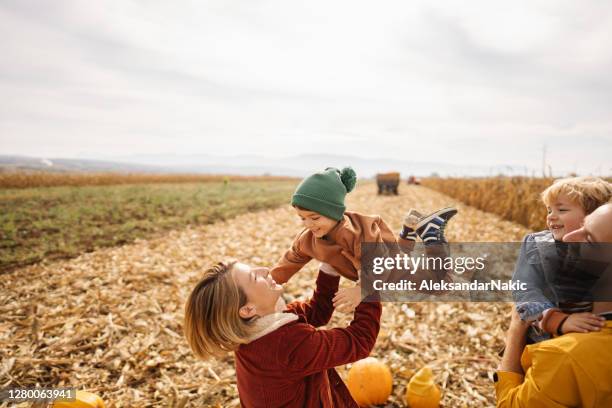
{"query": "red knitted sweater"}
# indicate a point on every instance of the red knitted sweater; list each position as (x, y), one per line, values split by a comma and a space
(293, 366)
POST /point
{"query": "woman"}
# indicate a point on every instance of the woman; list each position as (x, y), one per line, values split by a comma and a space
(282, 360)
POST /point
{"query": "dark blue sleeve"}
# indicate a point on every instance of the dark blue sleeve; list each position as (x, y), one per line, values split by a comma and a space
(530, 303)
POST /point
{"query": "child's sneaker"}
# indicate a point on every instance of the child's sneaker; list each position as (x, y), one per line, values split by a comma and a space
(412, 217)
(431, 227)
(410, 222)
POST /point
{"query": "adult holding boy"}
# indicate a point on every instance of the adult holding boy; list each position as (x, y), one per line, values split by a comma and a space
(570, 370)
(282, 357)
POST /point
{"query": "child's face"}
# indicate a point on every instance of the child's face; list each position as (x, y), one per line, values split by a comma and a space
(318, 224)
(564, 216)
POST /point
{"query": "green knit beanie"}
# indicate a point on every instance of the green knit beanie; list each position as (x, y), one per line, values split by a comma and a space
(324, 192)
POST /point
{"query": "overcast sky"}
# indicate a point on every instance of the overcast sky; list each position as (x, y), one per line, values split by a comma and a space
(490, 83)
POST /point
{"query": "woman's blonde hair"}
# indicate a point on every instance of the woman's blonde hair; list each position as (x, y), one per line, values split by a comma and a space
(588, 192)
(212, 322)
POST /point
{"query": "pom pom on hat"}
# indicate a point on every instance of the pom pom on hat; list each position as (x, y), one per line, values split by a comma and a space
(349, 178)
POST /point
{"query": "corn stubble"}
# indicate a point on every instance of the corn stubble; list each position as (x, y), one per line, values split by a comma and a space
(110, 321)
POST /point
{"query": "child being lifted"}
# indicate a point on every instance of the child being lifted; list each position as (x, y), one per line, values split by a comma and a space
(335, 236)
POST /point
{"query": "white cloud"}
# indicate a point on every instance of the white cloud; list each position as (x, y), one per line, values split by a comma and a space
(490, 82)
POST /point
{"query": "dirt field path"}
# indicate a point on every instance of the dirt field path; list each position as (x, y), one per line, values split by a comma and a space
(111, 321)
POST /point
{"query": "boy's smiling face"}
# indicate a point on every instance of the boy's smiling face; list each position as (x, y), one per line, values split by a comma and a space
(564, 216)
(318, 224)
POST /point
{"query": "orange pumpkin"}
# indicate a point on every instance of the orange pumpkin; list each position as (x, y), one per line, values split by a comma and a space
(422, 392)
(369, 381)
(83, 399)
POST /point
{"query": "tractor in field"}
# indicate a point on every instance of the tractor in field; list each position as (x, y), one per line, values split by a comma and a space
(412, 180)
(387, 182)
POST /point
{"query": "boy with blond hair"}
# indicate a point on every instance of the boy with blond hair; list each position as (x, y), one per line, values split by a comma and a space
(544, 258)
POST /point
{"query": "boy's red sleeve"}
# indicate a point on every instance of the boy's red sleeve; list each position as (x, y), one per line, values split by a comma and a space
(292, 261)
(318, 310)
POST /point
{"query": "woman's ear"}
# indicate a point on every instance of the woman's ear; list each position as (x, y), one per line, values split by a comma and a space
(247, 311)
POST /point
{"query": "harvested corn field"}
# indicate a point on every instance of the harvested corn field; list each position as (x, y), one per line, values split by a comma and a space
(512, 198)
(110, 321)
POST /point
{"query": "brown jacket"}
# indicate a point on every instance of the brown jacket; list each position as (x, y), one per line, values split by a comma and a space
(341, 247)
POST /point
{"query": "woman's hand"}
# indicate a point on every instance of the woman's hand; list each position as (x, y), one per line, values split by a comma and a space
(515, 343)
(347, 299)
(582, 323)
(518, 328)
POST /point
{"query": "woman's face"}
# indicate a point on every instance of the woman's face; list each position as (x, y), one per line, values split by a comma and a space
(261, 290)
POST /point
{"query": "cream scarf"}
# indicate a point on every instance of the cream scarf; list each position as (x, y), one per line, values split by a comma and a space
(268, 323)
